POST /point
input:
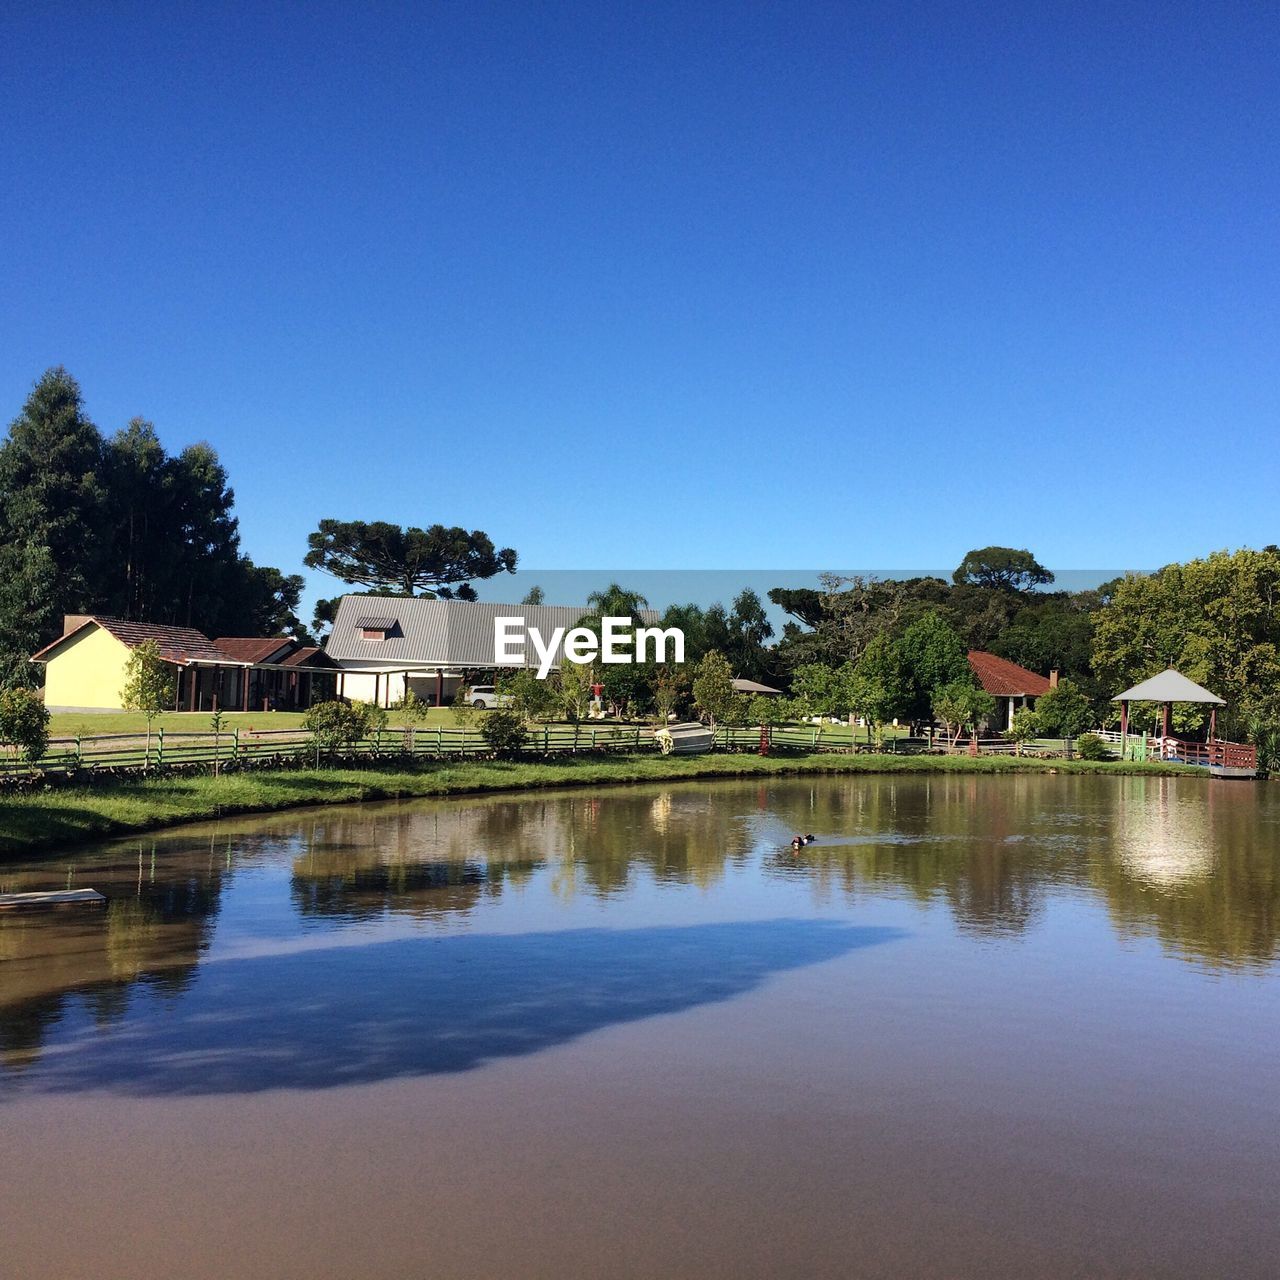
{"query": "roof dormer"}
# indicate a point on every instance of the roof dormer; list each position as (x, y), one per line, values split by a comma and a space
(378, 628)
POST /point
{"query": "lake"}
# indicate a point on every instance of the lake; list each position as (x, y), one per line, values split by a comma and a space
(981, 1026)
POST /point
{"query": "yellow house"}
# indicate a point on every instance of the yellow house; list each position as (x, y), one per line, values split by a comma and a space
(86, 671)
(85, 667)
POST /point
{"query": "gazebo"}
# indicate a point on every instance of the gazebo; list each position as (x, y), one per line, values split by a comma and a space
(1227, 759)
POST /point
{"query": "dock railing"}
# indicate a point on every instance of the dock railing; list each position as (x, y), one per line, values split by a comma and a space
(1217, 753)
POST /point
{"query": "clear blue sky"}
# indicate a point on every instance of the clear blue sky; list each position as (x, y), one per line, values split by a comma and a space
(669, 285)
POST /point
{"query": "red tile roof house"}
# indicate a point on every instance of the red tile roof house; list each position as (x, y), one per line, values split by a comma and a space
(85, 667)
(1012, 686)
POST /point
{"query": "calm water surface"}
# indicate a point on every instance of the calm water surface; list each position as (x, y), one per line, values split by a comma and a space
(982, 1027)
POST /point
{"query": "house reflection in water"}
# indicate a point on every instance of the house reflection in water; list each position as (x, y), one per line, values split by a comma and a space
(1189, 862)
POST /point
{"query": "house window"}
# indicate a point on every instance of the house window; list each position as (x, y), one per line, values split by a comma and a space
(378, 628)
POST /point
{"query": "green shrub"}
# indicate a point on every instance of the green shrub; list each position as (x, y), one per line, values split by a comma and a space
(1064, 711)
(531, 698)
(767, 709)
(335, 725)
(1091, 747)
(503, 729)
(1025, 727)
(1268, 741)
(24, 723)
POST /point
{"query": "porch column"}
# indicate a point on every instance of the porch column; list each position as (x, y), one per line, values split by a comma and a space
(1213, 723)
(193, 679)
(1013, 702)
(377, 686)
(1168, 720)
(439, 687)
(1124, 728)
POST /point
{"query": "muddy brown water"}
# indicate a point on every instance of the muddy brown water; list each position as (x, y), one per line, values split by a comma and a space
(983, 1026)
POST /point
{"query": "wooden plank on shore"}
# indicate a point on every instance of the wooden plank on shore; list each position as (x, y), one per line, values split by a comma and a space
(54, 898)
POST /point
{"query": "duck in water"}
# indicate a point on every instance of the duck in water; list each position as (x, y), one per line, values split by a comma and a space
(799, 842)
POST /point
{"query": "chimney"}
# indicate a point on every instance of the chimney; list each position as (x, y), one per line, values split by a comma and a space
(1053, 679)
(70, 621)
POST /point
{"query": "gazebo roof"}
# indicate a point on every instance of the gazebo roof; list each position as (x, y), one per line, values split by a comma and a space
(741, 685)
(1168, 686)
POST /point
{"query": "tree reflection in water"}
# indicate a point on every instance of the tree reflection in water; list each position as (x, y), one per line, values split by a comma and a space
(1193, 863)
(157, 923)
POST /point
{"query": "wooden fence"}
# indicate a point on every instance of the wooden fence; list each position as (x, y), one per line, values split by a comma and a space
(805, 738)
(178, 750)
(181, 750)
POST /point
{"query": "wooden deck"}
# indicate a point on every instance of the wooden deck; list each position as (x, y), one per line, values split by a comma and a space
(1232, 771)
(1222, 759)
(53, 898)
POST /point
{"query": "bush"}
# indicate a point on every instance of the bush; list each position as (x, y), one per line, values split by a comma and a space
(765, 709)
(531, 698)
(1268, 741)
(1064, 711)
(24, 723)
(335, 725)
(962, 704)
(1025, 727)
(1091, 747)
(503, 729)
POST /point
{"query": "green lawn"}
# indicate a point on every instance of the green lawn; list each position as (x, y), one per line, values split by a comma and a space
(58, 817)
(67, 724)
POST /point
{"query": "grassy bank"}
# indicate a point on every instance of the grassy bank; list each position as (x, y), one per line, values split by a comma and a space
(60, 817)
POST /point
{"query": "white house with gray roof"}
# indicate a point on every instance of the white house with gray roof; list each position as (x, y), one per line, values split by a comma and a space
(385, 644)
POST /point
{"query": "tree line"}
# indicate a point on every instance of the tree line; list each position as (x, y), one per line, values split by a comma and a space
(884, 649)
(114, 524)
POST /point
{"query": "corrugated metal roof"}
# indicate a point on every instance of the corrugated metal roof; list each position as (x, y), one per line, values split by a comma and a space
(1168, 686)
(376, 624)
(1004, 679)
(449, 633)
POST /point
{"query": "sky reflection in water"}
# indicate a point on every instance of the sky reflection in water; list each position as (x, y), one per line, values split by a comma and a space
(344, 946)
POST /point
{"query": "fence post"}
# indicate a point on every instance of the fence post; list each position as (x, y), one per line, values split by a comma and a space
(159, 746)
(79, 755)
(235, 744)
